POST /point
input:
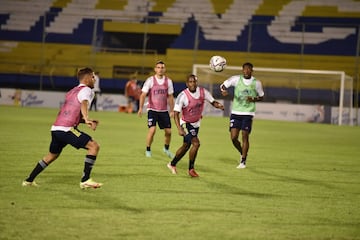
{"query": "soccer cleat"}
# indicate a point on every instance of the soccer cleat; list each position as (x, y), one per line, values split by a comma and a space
(29, 184)
(148, 153)
(192, 173)
(90, 184)
(242, 164)
(172, 168)
(168, 153)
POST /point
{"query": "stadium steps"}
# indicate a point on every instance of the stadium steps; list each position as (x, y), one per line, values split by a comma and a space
(271, 8)
(60, 3)
(63, 59)
(162, 6)
(110, 4)
(24, 13)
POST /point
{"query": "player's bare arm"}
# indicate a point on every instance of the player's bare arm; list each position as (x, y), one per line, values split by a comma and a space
(254, 99)
(181, 131)
(85, 114)
(171, 104)
(218, 105)
(141, 103)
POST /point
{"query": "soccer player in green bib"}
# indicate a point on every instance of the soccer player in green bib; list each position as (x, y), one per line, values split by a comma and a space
(247, 91)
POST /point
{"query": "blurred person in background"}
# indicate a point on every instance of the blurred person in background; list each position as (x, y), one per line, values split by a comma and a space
(132, 92)
(97, 92)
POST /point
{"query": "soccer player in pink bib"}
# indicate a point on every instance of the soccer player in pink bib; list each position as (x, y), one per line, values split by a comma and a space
(64, 131)
(159, 89)
(190, 103)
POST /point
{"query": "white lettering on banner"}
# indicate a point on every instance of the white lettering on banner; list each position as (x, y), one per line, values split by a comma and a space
(290, 112)
(111, 102)
(346, 120)
(280, 28)
(31, 99)
(41, 98)
(226, 28)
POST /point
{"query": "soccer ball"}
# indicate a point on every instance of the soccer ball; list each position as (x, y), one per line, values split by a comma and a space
(217, 63)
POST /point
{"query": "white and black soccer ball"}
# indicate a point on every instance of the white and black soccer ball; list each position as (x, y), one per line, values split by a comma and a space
(217, 63)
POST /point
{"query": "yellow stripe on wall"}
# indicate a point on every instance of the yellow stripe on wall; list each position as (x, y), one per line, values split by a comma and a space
(328, 11)
(141, 28)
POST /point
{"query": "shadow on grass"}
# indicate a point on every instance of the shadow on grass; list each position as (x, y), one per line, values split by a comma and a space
(291, 179)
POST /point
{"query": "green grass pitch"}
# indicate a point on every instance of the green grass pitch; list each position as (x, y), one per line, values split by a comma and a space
(302, 181)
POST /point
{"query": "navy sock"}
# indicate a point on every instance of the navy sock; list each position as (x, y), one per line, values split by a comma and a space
(40, 166)
(88, 165)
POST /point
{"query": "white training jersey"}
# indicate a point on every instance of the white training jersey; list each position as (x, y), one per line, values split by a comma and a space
(97, 84)
(84, 94)
(234, 80)
(149, 83)
(182, 101)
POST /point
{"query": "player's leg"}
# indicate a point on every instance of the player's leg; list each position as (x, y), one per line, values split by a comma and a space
(149, 140)
(152, 121)
(181, 151)
(167, 137)
(79, 139)
(195, 145)
(245, 132)
(234, 135)
(179, 154)
(245, 145)
(235, 126)
(92, 151)
(165, 123)
(54, 152)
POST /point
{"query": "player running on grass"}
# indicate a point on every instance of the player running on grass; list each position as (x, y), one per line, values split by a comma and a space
(190, 102)
(64, 131)
(247, 91)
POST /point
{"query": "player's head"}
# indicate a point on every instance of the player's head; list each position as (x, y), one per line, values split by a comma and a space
(86, 76)
(247, 69)
(160, 68)
(192, 82)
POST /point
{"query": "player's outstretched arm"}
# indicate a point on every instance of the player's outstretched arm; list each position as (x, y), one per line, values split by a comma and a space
(181, 131)
(141, 103)
(218, 105)
(85, 115)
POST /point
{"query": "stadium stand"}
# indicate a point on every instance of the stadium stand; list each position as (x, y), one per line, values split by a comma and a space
(108, 35)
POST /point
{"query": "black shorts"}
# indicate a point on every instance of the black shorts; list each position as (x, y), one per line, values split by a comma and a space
(161, 118)
(131, 99)
(74, 137)
(242, 122)
(191, 133)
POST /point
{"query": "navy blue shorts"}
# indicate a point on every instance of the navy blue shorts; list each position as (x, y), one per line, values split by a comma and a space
(192, 132)
(242, 122)
(160, 118)
(74, 137)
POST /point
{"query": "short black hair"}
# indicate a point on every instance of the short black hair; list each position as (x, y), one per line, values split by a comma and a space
(192, 76)
(84, 71)
(159, 62)
(248, 64)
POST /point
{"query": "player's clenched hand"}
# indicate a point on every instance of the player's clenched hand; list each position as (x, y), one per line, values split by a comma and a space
(181, 131)
(92, 124)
